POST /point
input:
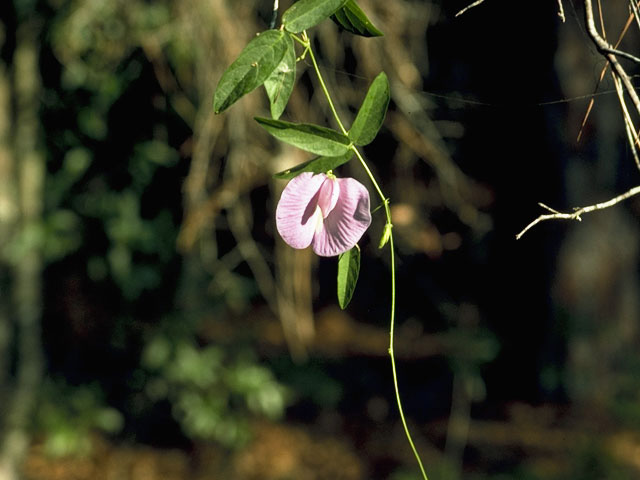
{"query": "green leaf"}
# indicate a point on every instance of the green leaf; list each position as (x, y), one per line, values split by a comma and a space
(279, 85)
(312, 138)
(348, 271)
(372, 112)
(308, 13)
(258, 60)
(352, 19)
(315, 165)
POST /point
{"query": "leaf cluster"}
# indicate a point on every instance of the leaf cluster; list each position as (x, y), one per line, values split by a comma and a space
(211, 392)
(270, 60)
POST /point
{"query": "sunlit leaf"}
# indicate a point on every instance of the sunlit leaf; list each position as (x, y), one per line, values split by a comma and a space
(312, 138)
(348, 271)
(315, 165)
(351, 18)
(372, 112)
(279, 85)
(258, 60)
(308, 13)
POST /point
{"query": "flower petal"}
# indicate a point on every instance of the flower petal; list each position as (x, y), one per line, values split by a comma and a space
(297, 213)
(328, 197)
(346, 223)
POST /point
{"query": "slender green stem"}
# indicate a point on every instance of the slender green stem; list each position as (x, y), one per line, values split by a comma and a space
(393, 313)
(307, 44)
(385, 201)
(393, 360)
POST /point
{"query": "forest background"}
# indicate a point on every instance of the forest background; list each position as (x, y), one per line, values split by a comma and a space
(153, 325)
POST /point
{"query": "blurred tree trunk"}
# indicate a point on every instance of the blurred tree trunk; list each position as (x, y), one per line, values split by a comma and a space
(21, 200)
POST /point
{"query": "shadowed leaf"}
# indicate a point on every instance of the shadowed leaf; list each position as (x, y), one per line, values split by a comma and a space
(352, 19)
(348, 271)
(258, 60)
(372, 112)
(279, 85)
(308, 13)
(312, 138)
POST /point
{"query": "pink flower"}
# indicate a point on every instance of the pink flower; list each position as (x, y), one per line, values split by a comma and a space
(323, 211)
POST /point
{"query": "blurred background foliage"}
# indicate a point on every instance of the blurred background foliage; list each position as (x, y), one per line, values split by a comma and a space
(151, 320)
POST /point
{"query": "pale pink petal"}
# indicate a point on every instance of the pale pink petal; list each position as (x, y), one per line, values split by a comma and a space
(329, 193)
(346, 223)
(297, 213)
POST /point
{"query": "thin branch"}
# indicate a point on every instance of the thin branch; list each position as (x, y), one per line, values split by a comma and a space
(620, 53)
(274, 16)
(620, 78)
(632, 136)
(478, 2)
(577, 214)
(474, 4)
(605, 48)
(546, 207)
(601, 17)
(602, 74)
(634, 11)
(561, 11)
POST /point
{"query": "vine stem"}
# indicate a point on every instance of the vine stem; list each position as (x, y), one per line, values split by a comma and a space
(307, 45)
(391, 354)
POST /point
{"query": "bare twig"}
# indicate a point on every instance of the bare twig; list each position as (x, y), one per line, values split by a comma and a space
(609, 53)
(478, 2)
(620, 79)
(632, 143)
(561, 11)
(632, 135)
(274, 16)
(577, 213)
(634, 11)
(603, 72)
(621, 53)
(474, 4)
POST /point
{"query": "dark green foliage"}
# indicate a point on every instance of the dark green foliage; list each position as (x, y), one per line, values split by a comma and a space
(280, 83)
(212, 392)
(351, 18)
(312, 138)
(372, 112)
(260, 58)
(305, 14)
(67, 415)
(348, 271)
(113, 209)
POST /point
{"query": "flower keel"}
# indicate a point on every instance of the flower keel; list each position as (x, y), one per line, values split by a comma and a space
(330, 214)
